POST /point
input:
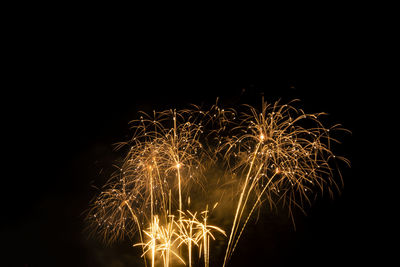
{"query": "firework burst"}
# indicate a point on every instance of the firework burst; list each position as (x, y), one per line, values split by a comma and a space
(279, 160)
(280, 155)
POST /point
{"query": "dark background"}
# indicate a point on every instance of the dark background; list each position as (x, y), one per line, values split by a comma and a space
(74, 91)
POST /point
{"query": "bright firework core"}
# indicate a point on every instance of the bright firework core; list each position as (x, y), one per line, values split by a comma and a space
(177, 161)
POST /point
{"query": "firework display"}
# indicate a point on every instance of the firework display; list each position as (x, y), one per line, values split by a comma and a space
(176, 160)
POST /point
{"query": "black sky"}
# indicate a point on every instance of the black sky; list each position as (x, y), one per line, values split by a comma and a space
(73, 98)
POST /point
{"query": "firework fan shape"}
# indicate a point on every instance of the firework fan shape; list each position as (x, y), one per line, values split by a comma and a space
(280, 155)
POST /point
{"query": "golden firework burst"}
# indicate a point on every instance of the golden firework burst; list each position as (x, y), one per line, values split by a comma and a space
(277, 155)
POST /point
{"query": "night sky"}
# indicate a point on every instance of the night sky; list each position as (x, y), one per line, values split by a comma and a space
(73, 101)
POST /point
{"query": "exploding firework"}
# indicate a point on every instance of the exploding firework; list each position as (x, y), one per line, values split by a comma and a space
(280, 155)
(278, 159)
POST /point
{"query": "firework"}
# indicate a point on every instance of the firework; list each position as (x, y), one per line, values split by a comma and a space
(188, 235)
(161, 239)
(197, 232)
(279, 158)
(280, 155)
